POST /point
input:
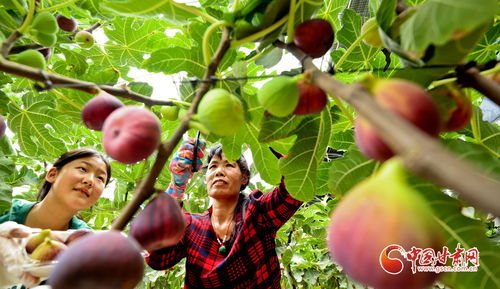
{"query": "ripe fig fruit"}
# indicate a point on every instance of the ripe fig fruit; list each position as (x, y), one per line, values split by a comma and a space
(77, 234)
(380, 211)
(161, 224)
(35, 240)
(170, 112)
(45, 23)
(131, 134)
(279, 96)
(221, 112)
(84, 39)
(48, 250)
(312, 99)
(29, 57)
(3, 126)
(455, 107)
(314, 37)
(404, 98)
(46, 52)
(99, 261)
(66, 24)
(97, 109)
(372, 37)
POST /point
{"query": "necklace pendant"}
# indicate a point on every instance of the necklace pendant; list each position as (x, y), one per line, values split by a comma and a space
(222, 249)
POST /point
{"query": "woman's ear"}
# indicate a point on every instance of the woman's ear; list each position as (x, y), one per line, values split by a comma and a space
(245, 179)
(51, 175)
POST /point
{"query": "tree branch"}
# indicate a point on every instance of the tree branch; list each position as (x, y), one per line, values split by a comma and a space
(90, 87)
(146, 187)
(472, 77)
(421, 154)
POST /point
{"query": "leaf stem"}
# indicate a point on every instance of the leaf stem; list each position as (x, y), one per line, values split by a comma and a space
(29, 17)
(342, 108)
(260, 34)
(206, 36)
(58, 6)
(19, 7)
(290, 29)
(194, 11)
(354, 45)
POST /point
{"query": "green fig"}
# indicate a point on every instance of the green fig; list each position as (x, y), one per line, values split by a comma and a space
(279, 96)
(30, 57)
(35, 240)
(48, 250)
(221, 112)
(170, 112)
(84, 39)
(45, 23)
(45, 39)
(383, 210)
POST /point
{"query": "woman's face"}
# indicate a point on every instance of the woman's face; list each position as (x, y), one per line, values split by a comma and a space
(223, 178)
(78, 184)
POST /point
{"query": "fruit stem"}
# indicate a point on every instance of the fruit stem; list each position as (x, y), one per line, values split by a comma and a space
(261, 33)
(29, 17)
(181, 103)
(236, 5)
(354, 45)
(58, 6)
(342, 108)
(206, 37)
(291, 21)
(194, 11)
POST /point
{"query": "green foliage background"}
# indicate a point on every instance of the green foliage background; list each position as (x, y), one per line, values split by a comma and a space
(44, 124)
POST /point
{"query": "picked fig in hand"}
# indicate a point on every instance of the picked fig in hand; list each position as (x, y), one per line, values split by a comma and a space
(48, 250)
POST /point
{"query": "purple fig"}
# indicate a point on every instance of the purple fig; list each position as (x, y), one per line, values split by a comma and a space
(96, 110)
(77, 235)
(99, 261)
(161, 224)
(381, 211)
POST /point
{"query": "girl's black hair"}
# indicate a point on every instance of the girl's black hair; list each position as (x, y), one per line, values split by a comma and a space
(242, 162)
(69, 157)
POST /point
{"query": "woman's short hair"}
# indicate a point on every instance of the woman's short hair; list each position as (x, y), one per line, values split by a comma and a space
(216, 150)
(69, 157)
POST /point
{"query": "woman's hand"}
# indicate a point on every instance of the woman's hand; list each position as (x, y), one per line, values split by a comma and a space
(12, 257)
(182, 164)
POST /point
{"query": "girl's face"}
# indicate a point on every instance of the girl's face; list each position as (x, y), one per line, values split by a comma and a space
(79, 183)
(223, 178)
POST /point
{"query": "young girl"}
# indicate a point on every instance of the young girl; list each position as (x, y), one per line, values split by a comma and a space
(74, 182)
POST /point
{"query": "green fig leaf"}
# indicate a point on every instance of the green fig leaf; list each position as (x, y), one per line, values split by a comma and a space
(349, 170)
(462, 16)
(169, 9)
(469, 233)
(274, 128)
(487, 46)
(300, 167)
(5, 197)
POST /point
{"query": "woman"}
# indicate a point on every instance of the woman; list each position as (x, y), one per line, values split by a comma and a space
(232, 244)
(74, 182)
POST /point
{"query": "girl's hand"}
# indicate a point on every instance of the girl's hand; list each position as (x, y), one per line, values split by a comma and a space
(12, 258)
(182, 164)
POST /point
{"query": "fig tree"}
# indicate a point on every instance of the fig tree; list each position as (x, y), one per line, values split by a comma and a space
(404, 98)
(84, 39)
(372, 37)
(455, 107)
(380, 211)
(161, 224)
(170, 112)
(3, 126)
(279, 96)
(29, 57)
(96, 110)
(221, 112)
(66, 24)
(312, 99)
(314, 37)
(131, 134)
(99, 261)
(45, 23)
